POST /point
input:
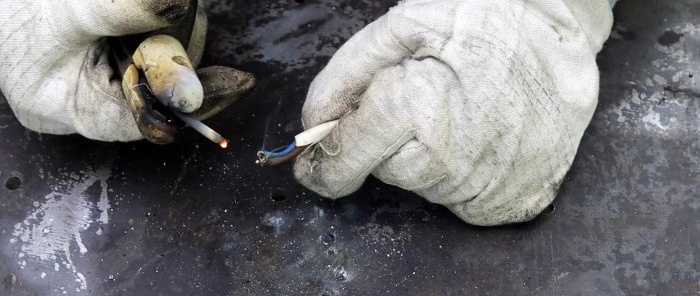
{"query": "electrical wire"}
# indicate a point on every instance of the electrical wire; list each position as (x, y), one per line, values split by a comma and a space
(279, 152)
(301, 142)
(265, 156)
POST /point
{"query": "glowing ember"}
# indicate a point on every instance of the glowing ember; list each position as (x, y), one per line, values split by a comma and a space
(223, 143)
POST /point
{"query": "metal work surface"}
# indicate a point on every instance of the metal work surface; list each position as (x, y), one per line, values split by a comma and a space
(79, 217)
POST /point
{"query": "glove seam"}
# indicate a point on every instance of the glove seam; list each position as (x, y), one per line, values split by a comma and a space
(427, 184)
(393, 34)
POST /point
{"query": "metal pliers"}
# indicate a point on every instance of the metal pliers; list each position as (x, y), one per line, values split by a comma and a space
(151, 66)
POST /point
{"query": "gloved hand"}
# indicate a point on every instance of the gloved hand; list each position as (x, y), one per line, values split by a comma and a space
(56, 75)
(475, 105)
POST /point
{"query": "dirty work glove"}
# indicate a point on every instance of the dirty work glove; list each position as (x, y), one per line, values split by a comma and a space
(475, 105)
(54, 62)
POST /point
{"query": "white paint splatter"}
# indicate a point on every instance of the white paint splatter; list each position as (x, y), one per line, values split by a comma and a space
(49, 230)
(635, 98)
(103, 205)
(660, 80)
(621, 110)
(654, 118)
(677, 77)
(649, 82)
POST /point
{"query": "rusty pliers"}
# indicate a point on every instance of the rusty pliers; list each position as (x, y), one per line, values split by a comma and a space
(154, 68)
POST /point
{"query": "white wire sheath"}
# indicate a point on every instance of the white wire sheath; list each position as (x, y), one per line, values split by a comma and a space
(315, 134)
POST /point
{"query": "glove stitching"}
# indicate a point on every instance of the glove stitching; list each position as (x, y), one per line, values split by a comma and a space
(7, 57)
(4, 24)
(19, 79)
(534, 90)
(548, 94)
(47, 15)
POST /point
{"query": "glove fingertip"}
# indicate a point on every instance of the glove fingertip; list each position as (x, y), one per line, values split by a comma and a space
(310, 173)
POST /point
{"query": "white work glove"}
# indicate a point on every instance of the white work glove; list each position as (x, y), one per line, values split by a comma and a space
(476, 105)
(54, 62)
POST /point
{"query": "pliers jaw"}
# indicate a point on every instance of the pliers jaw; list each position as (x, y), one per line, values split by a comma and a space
(153, 119)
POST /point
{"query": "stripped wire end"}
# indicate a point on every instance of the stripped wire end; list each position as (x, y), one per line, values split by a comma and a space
(278, 156)
(302, 141)
(262, 158)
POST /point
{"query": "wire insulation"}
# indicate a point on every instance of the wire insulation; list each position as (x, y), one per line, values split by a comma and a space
(277, 153)
(301, 142)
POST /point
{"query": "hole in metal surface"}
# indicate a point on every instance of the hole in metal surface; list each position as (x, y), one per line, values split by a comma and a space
(13, 183)
(327, 239)
(278, 196)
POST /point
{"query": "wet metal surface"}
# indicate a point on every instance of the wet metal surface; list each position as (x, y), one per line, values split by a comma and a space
(84, 218)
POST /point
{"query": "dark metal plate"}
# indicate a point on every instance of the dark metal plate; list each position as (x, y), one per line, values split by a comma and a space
(79, 217)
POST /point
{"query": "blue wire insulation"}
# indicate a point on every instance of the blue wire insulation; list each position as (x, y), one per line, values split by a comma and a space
(285, 152)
